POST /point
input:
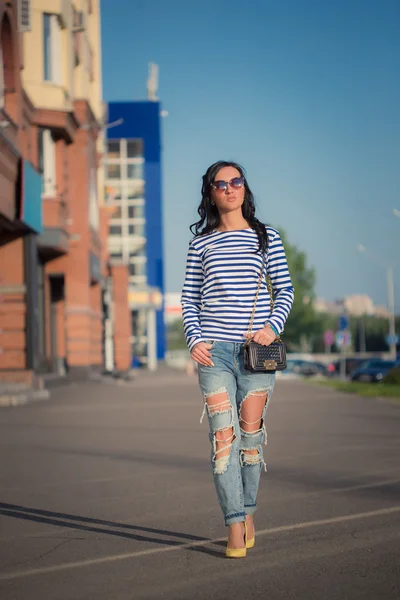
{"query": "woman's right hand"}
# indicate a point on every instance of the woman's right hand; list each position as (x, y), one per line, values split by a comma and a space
(202, 355)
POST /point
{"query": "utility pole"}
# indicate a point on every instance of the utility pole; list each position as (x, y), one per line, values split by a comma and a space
(392, 325)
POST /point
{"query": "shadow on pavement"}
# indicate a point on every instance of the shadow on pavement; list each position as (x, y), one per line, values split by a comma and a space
(87, 524)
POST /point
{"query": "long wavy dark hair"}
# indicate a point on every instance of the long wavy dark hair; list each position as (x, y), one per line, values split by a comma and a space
(209, 215)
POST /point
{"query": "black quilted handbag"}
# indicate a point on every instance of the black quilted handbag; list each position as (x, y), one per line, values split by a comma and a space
(258, 358)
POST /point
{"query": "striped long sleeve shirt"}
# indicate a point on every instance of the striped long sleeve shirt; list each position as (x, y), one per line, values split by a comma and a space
(222, 273)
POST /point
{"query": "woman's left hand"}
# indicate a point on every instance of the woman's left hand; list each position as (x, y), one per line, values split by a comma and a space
(264, 336)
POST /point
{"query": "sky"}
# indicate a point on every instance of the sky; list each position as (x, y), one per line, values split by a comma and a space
(305, 94)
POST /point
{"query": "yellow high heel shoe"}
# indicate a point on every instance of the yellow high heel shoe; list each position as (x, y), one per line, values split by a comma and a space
(237, 552)
(250, 543)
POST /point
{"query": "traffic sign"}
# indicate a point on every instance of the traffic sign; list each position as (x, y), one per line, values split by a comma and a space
(392, 339)
(343, 322)
(343, 339)
(329, 338)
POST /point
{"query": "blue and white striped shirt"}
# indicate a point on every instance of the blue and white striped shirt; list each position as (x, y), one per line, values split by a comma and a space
(222, 273)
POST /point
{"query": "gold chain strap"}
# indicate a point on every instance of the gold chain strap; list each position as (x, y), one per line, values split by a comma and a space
(270, 291)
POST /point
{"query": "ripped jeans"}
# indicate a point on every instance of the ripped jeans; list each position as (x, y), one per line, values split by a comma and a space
(237, 473)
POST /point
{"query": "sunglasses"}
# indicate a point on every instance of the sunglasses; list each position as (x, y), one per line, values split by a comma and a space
(236, 183)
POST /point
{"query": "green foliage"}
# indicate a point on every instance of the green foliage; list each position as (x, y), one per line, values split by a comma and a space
(175, 335)
(302, 326)
(375, 390)
(393, 377)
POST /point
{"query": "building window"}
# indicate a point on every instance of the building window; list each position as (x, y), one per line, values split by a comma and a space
(138, 252)
(40, 144)
(136, 229)
(134, 171)
(137, 279)
(47, 162)
(115, 230)
(51, 49)
(24, 15)
(113, 151)
(134, 148)
(136, 212)
(47, 47)
(112, 193)
(114, 171)
(137, 268)
(116, 255)
(135, 190)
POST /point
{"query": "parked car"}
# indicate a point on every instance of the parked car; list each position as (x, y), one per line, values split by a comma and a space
(373, 370)
(351, 364)
(306, 368)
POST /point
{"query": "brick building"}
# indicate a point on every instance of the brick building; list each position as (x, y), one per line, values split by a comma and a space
(20, 207)
(61, 76)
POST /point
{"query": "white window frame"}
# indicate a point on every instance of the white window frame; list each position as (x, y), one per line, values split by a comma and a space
(55, 55)
(49, 165)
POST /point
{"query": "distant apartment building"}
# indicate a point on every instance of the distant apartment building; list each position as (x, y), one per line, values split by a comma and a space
(134, 191)
(62, 128)
(354, 305)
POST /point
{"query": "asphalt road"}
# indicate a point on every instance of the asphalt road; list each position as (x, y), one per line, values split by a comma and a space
(107, 493)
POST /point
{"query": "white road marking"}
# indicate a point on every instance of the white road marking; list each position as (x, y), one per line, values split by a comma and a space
(152, 551)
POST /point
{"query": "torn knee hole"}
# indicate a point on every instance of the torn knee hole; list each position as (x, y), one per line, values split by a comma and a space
(253, 452)
(253, 456)
(223, 434)
(218, 403)
(253, 405)
(223, 440)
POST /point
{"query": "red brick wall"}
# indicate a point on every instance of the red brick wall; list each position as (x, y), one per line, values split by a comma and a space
(122, 316)
(12, 306)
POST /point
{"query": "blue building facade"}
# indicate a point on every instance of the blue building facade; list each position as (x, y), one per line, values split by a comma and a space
(134, 176)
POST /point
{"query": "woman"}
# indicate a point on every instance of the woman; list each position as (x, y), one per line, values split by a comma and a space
(223, 268)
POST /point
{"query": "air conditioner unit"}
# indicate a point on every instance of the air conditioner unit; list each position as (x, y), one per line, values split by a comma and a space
(24, 15)
(65, 9)
(79, 21)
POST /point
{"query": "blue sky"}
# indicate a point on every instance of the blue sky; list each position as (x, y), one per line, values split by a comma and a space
(305, 94)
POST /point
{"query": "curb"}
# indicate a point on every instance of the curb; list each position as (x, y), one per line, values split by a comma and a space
(19, 399)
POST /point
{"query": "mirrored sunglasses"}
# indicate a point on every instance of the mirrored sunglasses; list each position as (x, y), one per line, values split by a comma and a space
(236, 183)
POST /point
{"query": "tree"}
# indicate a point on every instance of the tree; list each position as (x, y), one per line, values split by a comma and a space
(175, 336)
(303, 325)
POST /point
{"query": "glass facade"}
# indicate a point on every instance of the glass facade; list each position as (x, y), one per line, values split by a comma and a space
(125, 174)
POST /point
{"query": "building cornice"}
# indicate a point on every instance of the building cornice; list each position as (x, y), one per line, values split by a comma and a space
(63, 122)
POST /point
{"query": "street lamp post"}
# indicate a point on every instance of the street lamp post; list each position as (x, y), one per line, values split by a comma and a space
(390, 292)
(392, 324)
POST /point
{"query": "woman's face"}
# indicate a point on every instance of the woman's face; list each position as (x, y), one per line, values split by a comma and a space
(232, 197)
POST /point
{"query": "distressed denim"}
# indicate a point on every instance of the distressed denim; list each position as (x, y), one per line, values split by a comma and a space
(236, 476)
